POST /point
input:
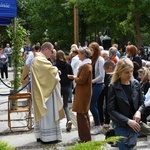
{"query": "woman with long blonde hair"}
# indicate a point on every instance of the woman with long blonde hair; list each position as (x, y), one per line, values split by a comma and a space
(124, 101)
(144, 75)
(121, 66)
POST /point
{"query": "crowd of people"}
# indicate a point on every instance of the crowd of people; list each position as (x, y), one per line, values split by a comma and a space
(114, 87)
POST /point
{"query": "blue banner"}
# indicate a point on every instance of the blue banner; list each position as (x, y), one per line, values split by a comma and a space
(8, 9)
(5, 22)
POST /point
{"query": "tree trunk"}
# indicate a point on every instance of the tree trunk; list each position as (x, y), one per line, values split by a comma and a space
(137, 24)
(83, 29)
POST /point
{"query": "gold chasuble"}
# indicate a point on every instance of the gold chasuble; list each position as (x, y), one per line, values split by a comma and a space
(44, 81)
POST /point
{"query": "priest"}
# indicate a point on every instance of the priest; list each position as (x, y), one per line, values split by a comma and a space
(47, 102)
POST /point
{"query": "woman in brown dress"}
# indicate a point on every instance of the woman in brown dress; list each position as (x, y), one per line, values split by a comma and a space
(83, 92)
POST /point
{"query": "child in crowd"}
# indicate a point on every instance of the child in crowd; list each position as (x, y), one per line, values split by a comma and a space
(104, 117)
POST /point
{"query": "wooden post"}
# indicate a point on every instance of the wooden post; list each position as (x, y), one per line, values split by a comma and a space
(76, 24)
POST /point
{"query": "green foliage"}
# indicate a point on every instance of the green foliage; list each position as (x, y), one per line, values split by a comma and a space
(94, 145)
(17, 36)
(50, 20)
(127, 20)
(6, 146)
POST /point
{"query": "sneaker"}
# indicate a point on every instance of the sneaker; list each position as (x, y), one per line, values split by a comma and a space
(69, 126)
(96, 130)
(104, 130)
(70, 101)
(79, 141)
(38, 140)
(114, 144)
(92, 124)
(106, 126)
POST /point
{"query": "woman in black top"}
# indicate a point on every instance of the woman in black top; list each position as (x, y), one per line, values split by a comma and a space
(66, 83)
(124, 101)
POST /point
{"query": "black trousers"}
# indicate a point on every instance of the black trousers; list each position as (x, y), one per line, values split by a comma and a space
(145, 114)
(4, 69)
(103, 114)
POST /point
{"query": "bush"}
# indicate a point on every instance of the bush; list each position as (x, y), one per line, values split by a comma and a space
(5, 146)
(95, 145)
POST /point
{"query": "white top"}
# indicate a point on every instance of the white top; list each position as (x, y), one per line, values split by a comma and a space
(147, 98)
(75, 62)
(29, 59)
(99, 71)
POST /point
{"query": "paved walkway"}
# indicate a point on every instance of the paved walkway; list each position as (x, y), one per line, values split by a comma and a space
(26, 140)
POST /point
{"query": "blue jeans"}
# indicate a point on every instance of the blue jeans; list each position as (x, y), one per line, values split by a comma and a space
(70, 93)
(9, 61)
(96, 91)
(129, 140)
(65, 91)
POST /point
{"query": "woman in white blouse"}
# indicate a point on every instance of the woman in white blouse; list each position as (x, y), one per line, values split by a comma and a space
(98, 75)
